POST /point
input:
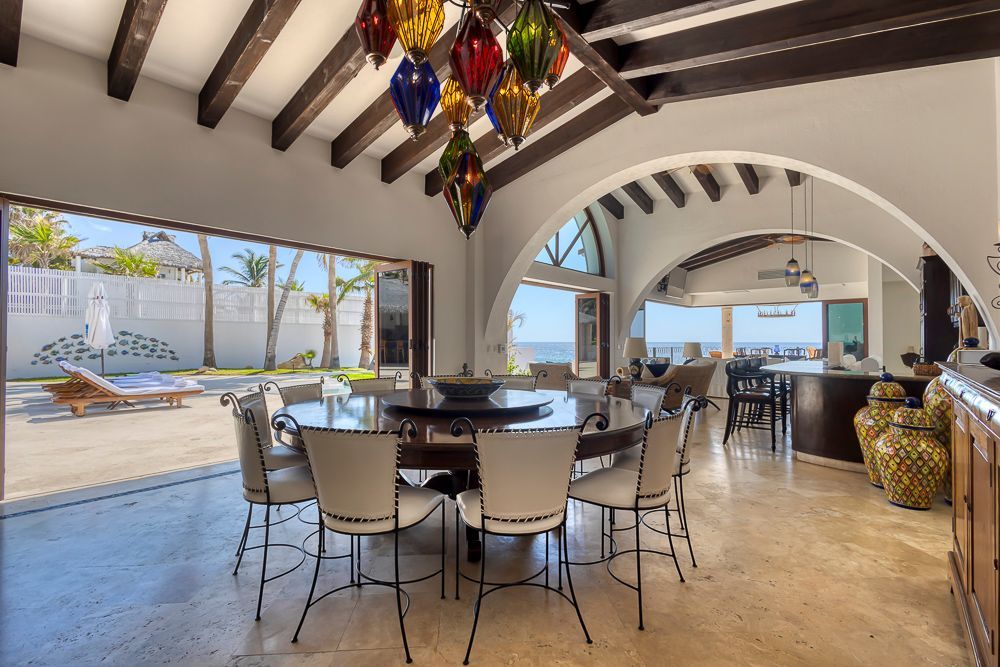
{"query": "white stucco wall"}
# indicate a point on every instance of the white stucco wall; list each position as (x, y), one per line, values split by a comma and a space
(900, 323)
(64, 139)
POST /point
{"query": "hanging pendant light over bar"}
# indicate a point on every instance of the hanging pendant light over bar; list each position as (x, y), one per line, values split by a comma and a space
(792, 271)
(418, 24)
(476, 59)
(515, 107)
(415, 92)
(468, 191)
(375, 31)
(533, 43)
(811, 211)
(559, 65)
(455, 104)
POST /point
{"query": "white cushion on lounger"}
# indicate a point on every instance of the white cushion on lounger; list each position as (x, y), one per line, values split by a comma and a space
(129, 391)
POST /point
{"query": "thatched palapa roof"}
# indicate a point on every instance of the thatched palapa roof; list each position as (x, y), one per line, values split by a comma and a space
(157, 246)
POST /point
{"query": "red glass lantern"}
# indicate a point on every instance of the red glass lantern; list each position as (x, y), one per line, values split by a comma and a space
(560, 62)
(476, 59)
(467, 190)
(375, 31)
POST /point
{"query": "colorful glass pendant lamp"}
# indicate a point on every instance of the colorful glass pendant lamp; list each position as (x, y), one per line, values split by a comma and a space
(533, 43)
(415, 92)
(559, 65)
(375, 31)
(467, 190)
(454, 104)
(476, 59)
(515, 107)
(491, 111)
(418, 24)
(793, 273)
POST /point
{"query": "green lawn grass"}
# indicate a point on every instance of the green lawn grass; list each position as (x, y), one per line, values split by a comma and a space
(352, 373)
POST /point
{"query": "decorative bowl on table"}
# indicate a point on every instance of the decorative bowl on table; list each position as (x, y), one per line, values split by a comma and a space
(465, 387)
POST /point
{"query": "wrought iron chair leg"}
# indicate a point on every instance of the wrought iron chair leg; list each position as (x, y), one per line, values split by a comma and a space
(562, 530)
(312, 588)
(602, 532)
(673, 551)
(479, 601)
(263, 565)
(638, 567)
(243, 541)
(564, 558)
(359, 560)
(458, 550)
(546, 558)
(352, 556)
(399, 595)
(684, 521)
(444, 549)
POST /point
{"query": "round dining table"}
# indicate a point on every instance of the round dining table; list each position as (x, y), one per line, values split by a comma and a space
(435, 448)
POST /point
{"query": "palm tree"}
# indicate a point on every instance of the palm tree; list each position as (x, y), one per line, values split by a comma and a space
(270, 363)
(272, 272)
(363, 283)
(514, 320)
(130, 263)
(331, 353)
(293, 285)
(252, 269)
(321, 304)
(38, 238)
(206, 266)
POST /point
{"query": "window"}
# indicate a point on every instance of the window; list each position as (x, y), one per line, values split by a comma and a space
(576, 246)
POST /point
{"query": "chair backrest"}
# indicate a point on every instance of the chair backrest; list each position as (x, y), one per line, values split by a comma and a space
(256, 402)
(249, 444)
(554, 377)
(354, 473)
(520, 382)
(657, 461)
(367, 385)
(687, 420)
(588, 387)
(524, 475)
(298, 393)
(418, 381)
(649, 396)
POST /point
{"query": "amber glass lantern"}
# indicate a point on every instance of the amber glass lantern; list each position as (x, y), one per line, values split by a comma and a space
(491, 112)
(515, 107)
(375, 31)
(415, 92)
(455, 104)
(467, 190)
(533, 43)
(476, 59)
(559, 65)
(418, 24)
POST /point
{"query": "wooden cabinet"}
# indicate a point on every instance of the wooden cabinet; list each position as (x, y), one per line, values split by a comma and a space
(974, 559)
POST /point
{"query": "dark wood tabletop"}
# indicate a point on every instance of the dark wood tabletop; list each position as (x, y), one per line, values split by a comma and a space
(435, 448)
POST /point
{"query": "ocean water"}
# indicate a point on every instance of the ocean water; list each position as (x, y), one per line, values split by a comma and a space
(564, 352)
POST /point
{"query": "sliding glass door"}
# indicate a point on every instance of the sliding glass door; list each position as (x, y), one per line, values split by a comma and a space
(403, 328)
(593, 333)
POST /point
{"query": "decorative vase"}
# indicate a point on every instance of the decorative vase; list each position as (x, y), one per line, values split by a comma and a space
(912, 462)
(872, 421)
(940, 410)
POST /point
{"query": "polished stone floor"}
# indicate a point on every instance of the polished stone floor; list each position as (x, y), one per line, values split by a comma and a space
(798, 565)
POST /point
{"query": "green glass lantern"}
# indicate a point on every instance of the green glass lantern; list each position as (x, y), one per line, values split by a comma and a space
(467, 190)
(533, 42)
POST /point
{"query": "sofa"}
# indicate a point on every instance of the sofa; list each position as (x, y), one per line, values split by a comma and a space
(693, 378)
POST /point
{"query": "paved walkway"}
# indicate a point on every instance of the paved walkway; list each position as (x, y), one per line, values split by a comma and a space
(48, 449)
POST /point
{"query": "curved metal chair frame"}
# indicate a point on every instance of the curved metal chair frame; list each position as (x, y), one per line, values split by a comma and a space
(297, 393)
(366, 385)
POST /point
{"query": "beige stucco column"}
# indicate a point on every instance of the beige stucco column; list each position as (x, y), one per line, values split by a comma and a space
(727, 332)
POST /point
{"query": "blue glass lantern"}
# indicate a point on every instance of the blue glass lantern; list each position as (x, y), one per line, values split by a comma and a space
(415, 92)
(806, 281)
(792, 273)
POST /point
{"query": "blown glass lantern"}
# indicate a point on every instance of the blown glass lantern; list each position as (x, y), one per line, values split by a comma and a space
(559, 65)
(418, 24)
(533, 42)
(515, 107)
(415, 92)
(491, 112)
(792, 273)
(375, 31)
(476, 59)
(467, 190)
(459, 144)
(455, 104)
(814, 289)
(485, 9)
(806, 281)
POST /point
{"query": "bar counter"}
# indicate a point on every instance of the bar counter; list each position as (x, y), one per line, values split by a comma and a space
(823, 403)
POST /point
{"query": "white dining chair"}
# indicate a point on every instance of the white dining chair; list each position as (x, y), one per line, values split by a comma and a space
(369, 385)
(276, 455)
(587, 387)
(297, 393)
(647, 488)
(515, 382)
(649, 396)
(263, 487)
(355, 477)
(523, 481)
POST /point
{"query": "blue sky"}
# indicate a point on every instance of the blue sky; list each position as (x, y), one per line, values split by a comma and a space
(549, 318)
(96, 231)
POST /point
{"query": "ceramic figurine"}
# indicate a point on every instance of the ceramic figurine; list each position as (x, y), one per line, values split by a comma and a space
(912, 462)
(937, 403)
(872, 420)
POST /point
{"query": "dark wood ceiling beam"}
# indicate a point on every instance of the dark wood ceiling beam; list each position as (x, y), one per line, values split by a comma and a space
(602, 115)
(637, 194)
(797, 25)
(614, 18)
(612, 206)
(381, 114)
(135, 33)
(724, 251)
(670, 187)
(749, 176)
(603, 58)
(955, 40)
(338, 69)
(10, 31)
(259, 28)
(708, 183)
(570, 93)
(794, 178)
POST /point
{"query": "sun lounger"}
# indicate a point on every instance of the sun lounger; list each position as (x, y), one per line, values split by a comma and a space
(86, 388)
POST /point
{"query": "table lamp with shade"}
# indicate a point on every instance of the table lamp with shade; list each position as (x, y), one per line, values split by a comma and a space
(635, 350)
(692, 351)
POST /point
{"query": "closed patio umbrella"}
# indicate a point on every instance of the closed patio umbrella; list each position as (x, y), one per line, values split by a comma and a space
(97, 329)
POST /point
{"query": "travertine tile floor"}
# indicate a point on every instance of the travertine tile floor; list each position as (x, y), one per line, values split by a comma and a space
(798, 565)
